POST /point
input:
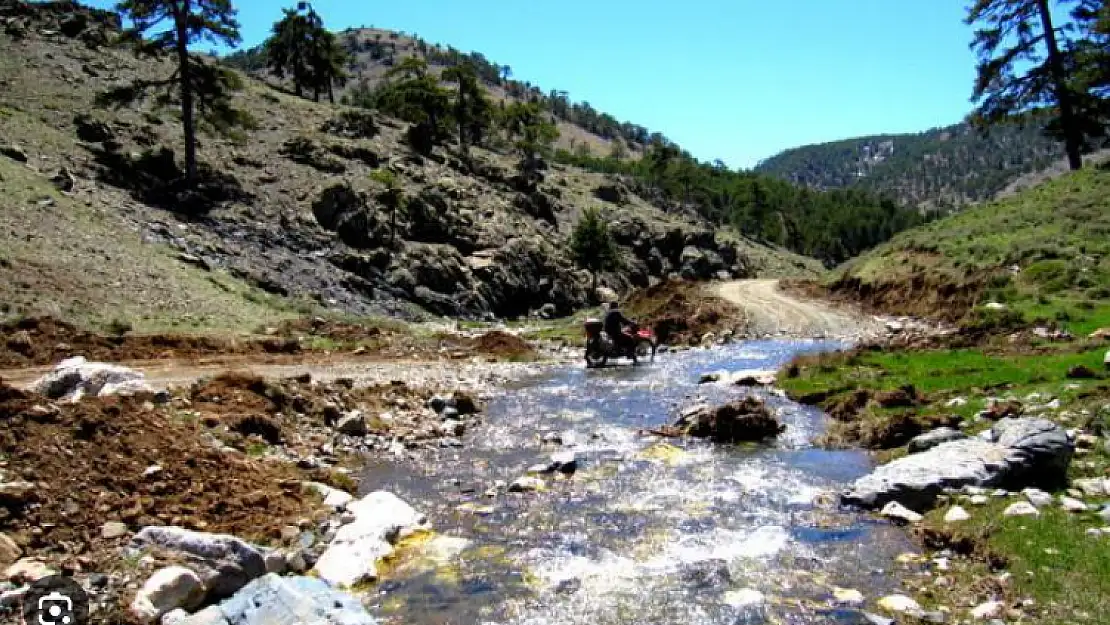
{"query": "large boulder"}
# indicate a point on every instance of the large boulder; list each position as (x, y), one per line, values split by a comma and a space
(747, 419)
(1020, 452)
(224, 563)
(525, 274)
(76, 377)
(276, 600)
(170, 588)
(380, 519)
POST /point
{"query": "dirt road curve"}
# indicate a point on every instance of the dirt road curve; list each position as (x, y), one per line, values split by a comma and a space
(774, 312)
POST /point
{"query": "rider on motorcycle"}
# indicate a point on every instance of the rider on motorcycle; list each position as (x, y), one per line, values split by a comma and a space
(614, 327)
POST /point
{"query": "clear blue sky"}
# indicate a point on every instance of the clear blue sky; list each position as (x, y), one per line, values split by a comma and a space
(737, 80)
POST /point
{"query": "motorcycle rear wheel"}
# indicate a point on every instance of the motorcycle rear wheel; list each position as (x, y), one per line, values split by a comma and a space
(645, 350)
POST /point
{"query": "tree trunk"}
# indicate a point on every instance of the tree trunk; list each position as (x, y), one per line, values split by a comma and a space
(1073, 141)
(181, 24)
(331, 92)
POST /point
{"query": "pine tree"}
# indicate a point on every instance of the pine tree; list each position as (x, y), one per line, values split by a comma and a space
(301, 48)
(1028, 60)
(472, 110)
(173, 25)
(592, 245)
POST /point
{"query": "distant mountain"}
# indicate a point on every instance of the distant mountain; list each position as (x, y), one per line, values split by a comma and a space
(940, 168)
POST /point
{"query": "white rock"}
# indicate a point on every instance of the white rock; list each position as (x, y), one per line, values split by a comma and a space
(175, 617)
(978, 500)
(333, 497)
(28, 570)
(1021, 508)
(956, 515)
(895, 510)
(1094, 487)
(381, 519)
(1037, 497)
(899, 603)
(1073, 505)
(849, 597)
(75, 378)
(1094, 532)
(989, 610)
(956, 402)
(744, 598)
(526, 484)
(225, 563)
(113, 529)
(168, 589)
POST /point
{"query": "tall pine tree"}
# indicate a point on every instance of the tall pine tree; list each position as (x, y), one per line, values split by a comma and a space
(1028, 60)
(172, 25)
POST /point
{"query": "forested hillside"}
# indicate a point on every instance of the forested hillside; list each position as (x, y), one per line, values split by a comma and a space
(941, 168)
(404, 76)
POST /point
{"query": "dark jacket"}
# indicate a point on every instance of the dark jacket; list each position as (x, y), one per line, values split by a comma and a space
(615, 322)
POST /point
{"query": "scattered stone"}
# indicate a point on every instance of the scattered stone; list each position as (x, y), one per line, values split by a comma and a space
(1037, 497)
(224, 563)
(1073, 505)
(526, 484)
(113, 529)
(956, 514)
(927, 441)
(28, 571)
(897, 511)
(899, 604)
(1093, 487)
(978, 500)
(9, 551)
(989, 610)
(747, 419)
(1021, 508)
(848, 597)
(333, 497)
(352, 424)
(875, 619)
(381, 519)
(170, 588)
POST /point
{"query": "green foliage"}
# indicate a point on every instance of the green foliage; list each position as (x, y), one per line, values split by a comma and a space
(472, 110)
(172, 25)
(1031, 59)
(301, 48)
(940, 168)
(592, 245)
(532, 130)
(393, 197)
(831, 226)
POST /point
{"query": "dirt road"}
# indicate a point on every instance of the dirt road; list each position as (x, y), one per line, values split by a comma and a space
(771, 311)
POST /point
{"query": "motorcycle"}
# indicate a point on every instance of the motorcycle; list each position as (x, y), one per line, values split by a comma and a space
(600, 347)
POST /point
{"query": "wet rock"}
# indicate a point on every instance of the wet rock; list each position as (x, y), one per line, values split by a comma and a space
(956, 515)
(380, 520)
(28, 571)
(1021, 508)
(898, 512)
(927, 441)
(9, 551)
(75, 378)
(1037, 497)
(275, 600)
(747, 419)
(1021, 451)
(170, 588)
(225, 563)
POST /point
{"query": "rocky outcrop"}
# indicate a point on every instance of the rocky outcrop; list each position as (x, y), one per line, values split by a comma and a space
(76, 377)
(1017, 453)
(223, 562)
(275, 600)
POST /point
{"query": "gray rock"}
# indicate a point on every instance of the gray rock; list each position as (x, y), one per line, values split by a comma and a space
(225, 563)
(1021, 451)
(333, 497)
(1021, 508)
(898, 512)
(75, 378)
(352, 424)
(274, 600)
(927, 441)
(1037, 497)
(169, 588)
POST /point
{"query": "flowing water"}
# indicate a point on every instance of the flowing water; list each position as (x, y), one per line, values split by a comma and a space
(646, 531)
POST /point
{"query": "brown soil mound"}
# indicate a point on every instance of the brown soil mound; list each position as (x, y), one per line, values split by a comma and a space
(679, 312)
(45, 340)
(123, 459)
(503, 344)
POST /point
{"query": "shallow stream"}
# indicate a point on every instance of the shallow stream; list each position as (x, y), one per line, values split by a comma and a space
(646, 531)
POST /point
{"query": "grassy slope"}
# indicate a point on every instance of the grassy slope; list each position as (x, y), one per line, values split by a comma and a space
(1058, 235)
